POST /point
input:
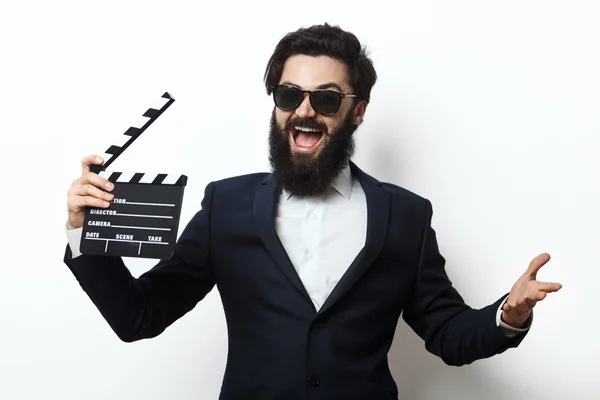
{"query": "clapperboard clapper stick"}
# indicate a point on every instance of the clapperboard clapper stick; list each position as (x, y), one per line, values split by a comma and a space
(143, 218)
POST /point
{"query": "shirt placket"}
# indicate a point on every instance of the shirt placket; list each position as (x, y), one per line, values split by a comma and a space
(311, 235)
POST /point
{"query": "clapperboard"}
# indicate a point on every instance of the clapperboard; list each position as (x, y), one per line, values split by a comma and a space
(143, 218)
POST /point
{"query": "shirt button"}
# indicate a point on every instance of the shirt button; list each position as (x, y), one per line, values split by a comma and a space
(308, 255)
(313, 381)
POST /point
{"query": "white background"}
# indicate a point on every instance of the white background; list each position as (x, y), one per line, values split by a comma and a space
(489, 109)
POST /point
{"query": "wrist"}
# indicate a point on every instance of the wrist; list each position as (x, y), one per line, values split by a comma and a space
(518, 322)
(71, 227)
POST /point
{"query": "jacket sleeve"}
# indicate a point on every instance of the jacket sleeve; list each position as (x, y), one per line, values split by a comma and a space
(144, 307)
(451, 329)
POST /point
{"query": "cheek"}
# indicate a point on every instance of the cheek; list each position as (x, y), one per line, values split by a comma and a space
(282, 117)
(333, 124)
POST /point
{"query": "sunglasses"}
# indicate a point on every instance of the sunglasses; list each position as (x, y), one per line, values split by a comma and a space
(323, 101)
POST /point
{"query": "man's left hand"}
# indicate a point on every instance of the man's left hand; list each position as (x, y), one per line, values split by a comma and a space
(526, 292)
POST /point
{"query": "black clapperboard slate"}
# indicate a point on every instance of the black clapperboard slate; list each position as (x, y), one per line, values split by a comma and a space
(143, 218)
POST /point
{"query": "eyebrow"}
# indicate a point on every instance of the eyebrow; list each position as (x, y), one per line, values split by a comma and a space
(327, 85)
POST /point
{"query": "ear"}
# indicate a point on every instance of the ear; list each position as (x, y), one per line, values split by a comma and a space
(359, 112)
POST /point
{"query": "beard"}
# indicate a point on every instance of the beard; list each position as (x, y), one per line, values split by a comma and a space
(307, 175)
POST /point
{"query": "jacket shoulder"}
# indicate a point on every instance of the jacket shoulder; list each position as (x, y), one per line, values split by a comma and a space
(399, 191)
(408, 202)
(239, 184)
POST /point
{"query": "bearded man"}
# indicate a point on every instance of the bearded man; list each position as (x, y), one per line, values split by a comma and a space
(314, 261)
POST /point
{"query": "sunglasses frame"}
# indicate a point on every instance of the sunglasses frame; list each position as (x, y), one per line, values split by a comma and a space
(310, 93)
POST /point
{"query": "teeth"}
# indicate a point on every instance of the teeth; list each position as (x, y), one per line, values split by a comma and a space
(303, 129)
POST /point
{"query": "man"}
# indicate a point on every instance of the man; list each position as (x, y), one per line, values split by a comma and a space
(314, 262)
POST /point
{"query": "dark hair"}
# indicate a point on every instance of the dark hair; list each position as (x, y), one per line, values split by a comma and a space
(325, 40)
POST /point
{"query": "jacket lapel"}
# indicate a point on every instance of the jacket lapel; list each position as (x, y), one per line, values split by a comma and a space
(265, 203)
(378, 211)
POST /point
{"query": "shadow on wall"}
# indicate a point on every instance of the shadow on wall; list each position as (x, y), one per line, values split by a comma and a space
(386, 162)
(419, 374)
(422, 376)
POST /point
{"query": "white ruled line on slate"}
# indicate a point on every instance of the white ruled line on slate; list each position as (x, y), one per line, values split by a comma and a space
(149, 228)
(144, 216)
(149, 204)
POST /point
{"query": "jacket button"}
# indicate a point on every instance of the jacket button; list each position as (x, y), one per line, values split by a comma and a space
(313, 381)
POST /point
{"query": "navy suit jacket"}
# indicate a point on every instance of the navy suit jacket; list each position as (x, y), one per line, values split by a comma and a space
(280, 347)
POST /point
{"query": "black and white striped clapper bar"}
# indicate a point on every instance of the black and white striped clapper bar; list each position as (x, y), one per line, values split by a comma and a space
(143, 218)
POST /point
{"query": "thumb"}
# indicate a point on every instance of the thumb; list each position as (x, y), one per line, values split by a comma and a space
(92, 159)
(537, 263)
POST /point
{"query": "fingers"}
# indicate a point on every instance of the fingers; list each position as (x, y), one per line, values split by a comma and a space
(537, 263)
(97, 180)
(537, 292)
(522, 306)
(90, 189)
(92, 159)
(518, 304)
(548, 287)
(90, 184)
(89, 201)
(93, 191)
(539, 296)
(88, 195)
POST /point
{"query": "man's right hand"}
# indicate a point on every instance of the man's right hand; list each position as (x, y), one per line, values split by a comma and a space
(85, 191)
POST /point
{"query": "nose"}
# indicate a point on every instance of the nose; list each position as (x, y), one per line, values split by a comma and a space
(305, 109)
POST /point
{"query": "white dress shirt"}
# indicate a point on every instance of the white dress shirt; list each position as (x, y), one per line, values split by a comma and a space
(321, 235)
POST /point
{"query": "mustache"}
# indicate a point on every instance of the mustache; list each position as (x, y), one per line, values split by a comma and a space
(309, 123)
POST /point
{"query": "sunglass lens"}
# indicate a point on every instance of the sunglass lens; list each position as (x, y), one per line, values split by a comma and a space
(325, 102)
(287, 98)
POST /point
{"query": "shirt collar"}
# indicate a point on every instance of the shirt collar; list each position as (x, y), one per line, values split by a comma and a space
(342, 184)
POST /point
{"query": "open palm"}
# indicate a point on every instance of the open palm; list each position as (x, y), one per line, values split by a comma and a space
(526, 292)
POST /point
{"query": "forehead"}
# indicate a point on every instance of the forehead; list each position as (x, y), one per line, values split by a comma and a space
(309, 72)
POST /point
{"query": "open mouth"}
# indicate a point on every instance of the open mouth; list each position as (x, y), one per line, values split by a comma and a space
(305, 139)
